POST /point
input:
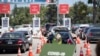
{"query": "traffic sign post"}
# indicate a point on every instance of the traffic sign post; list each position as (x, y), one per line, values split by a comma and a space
(35, 9)
(63, 9)
(5, 9)
(67, 23)
(5, 24)
(36, 27)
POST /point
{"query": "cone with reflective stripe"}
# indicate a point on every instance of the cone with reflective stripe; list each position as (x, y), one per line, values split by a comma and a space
(78, 40)
(19, 52)
(81, 52)
(30, 51)
(38, 51)
(85, 44)
(88, 51)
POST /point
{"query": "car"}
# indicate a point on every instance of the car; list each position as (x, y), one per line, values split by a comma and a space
(13, 41)
(93, 34)
(24, 27)
(28, 35)
(66, 36)
(56, 29)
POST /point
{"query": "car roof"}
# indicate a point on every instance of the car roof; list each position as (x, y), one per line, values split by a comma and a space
(13, 32)
(94, 27)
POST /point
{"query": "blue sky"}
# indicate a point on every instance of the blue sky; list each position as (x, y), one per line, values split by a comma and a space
(70, 2)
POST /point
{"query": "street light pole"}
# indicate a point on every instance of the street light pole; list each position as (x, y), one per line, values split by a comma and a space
(57, 4)
(94, 11)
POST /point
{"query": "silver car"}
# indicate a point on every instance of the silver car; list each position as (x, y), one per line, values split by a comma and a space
(93, 34)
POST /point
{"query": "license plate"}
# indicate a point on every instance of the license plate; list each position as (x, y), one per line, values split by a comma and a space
(9, 42)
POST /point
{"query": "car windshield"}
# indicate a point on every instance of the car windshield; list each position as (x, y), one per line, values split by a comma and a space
(64, 34)
(11, 35)
(61, 29)
(95, 30)
(25, 32)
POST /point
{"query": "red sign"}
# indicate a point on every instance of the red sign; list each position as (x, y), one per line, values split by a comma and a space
(63, 9)
(48, 1)
(4, 8)
(34, 8)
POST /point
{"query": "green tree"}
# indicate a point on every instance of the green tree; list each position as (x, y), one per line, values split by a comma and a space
(79, 12)
(42, 14)
(21, 16)
(51, 13)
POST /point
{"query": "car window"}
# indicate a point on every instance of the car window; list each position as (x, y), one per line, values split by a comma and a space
(61, 29)
(11, 35)
(86, 29)
(25, 32)
(64, 34)
(95, 30)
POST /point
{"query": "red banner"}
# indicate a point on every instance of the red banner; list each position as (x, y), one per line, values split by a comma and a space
(34, 8)
(63, 9)
(4, 8)
(48, 1)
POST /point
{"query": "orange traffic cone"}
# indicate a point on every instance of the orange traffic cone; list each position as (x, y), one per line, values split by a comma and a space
(38, 51)
(81, 52)
(85, 44)
(88, 51)
(19, 52)
(30, 51)
(78, 40)
(42, 43)
(88, 45)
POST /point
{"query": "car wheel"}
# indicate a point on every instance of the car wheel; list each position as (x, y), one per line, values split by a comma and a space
(1, 51)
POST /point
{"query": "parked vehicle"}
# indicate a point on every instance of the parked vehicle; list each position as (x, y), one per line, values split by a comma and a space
(14, 40)
(93, 34)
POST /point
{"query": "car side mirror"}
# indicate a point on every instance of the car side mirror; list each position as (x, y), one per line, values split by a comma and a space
(27, 36)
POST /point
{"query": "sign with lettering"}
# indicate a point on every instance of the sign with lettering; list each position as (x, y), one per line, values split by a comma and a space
(57, 50)
(34, 8)
(63, 9)
(67, 23)
(5, 22)
(4, 8)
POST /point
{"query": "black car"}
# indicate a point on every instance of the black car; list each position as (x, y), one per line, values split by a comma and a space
(14, 40)
(28, 35)
(66, 36)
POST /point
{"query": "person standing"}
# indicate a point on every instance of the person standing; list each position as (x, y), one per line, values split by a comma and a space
(98, 49)
(50, 37)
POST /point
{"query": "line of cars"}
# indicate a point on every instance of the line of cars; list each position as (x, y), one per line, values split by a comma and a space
(16, 39)
(90, 33)
(64, 33)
